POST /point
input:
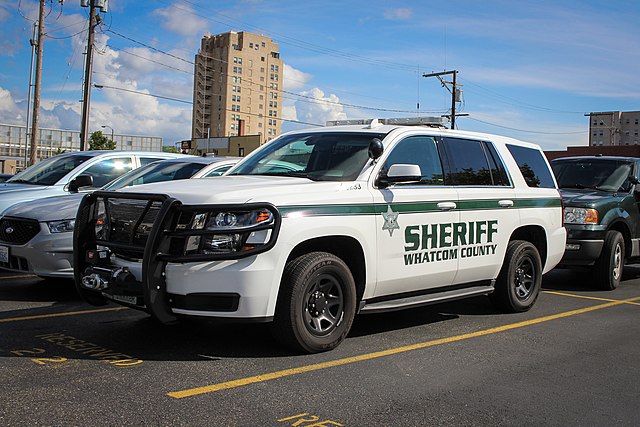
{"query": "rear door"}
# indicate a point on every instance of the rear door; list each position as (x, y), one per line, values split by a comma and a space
(487, 207)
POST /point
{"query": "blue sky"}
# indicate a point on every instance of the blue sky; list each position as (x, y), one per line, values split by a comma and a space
(529, 70)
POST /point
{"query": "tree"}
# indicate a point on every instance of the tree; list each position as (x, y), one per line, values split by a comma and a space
(97, 141)
(170, 149)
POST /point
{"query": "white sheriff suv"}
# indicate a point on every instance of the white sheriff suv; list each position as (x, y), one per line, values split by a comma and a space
(319, 225)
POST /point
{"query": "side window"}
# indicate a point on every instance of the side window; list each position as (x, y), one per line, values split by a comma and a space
(146, 160)
(107, 170)
(217, 171)
(533, 166)
(473, 163)
(421, 151)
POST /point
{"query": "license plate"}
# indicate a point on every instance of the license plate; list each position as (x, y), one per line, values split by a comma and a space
(124, 298)
(4, 254)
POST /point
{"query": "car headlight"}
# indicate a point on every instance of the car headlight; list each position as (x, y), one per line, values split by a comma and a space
(580, 216)
(230, 231)
(64, 226)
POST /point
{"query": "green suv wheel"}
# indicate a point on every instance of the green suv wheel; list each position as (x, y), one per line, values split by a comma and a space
(608, 268)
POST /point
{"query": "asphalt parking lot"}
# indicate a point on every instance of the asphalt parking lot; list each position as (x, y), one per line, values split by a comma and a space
(571, 360)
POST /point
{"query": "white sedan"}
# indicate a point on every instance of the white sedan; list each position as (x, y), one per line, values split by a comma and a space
(37, 236)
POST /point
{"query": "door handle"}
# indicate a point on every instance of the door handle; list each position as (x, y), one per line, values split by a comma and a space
(506, 203)
(446, 206)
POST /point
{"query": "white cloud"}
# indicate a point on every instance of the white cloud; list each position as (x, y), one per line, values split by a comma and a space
(398, 14)
(294, 79)
(9, 112)
(318, 108)
(181, 19)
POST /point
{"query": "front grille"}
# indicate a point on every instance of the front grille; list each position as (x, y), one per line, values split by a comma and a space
(129, 223)
(18, 231)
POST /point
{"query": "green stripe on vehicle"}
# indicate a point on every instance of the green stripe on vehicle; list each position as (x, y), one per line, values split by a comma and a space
(413, 207)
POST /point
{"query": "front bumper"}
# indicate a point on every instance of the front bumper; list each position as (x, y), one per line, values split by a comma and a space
(161, 279)
(46, 255)
(582, 252)
(584, 244)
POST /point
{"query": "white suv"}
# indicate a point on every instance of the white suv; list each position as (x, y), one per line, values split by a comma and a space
(321, 224)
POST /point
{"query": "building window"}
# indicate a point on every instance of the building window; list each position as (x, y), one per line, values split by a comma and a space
(262, 58)
(251, 45)
(235, 69)
(240, 61)
(263, 45)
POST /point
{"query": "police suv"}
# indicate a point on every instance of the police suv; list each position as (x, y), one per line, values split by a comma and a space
(319, 225)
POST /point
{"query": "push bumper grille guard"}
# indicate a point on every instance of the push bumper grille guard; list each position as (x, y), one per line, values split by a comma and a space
(166, 241)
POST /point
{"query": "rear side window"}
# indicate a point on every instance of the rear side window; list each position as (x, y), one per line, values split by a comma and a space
(473, 163)
(533, 166)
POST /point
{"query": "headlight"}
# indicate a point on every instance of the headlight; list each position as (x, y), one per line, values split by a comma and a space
(230, 231)
(64, 226)
(580, 216)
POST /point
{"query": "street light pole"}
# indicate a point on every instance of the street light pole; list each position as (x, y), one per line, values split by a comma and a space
(106, 126)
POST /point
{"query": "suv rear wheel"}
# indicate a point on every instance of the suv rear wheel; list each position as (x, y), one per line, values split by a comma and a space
(520, 278)
(608, 268)
(316, 304)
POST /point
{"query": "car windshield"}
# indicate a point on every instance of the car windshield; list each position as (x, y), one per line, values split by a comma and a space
(156, 172)
(328, 156)
(49, 171)
(602, 174)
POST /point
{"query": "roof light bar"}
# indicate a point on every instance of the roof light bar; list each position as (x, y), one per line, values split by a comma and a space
(405, 121)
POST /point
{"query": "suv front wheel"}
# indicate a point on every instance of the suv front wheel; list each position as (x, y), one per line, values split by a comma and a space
(316, 304)
(608, 268)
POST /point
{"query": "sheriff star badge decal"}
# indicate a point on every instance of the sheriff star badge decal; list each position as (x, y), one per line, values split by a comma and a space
(390, 220)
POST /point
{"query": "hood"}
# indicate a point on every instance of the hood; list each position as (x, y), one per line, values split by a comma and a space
(238, 189)
(11, 194)
(586, 197)
(8, 187)
(47, 209)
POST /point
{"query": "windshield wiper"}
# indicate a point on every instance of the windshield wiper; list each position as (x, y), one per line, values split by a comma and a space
(582, 187)
(290, 173)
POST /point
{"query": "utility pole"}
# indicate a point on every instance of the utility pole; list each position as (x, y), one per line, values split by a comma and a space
(88, 67)
(453, 91)
(32, 42)
(36, 95)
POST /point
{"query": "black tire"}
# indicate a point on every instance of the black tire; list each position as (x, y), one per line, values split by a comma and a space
(316, 303)
(608, 268)
(518, 284)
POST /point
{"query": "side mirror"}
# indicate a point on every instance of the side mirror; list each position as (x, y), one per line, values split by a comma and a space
(400, 173)
(79, 182)
(375, 149)
(633, 180)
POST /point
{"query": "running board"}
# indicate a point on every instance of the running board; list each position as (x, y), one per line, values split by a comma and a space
(419, 300)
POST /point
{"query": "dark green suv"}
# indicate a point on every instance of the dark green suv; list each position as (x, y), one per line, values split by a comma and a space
(602, 216)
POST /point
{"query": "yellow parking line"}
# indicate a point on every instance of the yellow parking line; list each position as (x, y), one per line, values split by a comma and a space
(68, 313)
(393, 351)
(564, 294)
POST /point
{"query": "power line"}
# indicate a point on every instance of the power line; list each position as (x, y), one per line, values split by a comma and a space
(99, 86)
(527, 131)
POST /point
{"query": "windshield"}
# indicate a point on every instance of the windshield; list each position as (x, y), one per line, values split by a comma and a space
(604, 174)
(49, 171)
(156, 172)
(330, 156)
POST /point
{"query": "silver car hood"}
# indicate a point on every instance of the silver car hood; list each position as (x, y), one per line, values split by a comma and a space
(47, 209)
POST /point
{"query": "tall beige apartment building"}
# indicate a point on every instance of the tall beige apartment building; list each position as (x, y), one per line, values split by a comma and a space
(612, 128)
(237, 88)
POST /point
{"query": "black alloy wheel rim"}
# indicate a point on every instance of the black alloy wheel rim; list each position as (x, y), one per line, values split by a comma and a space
(524, 278)
(324, 305)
